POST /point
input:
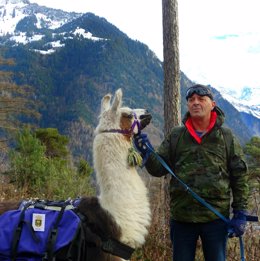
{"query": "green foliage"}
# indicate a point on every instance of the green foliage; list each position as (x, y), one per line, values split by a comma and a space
(252, 149)
(49, 177)
(65, 182)
(83, 168)
(28, 162)
(56, 144)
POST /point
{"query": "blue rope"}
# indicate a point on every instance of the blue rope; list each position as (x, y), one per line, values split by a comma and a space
(242, 251)
(198, 198)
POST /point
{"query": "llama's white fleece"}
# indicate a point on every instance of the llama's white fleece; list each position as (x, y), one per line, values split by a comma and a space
(122, 191)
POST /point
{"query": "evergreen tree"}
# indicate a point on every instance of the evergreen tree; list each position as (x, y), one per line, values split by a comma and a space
(252, 149)
(28, 162)
(56, 144)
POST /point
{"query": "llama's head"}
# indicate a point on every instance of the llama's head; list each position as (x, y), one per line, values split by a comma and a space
(114, 118)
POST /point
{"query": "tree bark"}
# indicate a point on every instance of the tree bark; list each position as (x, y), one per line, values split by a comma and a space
(172, 113)
(172, 97)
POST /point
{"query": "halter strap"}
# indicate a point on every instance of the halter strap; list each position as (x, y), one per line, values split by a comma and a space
(126, 131)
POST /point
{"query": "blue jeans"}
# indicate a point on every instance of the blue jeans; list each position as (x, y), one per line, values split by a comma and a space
(213, 236)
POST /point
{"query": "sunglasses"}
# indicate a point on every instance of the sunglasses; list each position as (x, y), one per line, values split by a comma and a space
(199, 90)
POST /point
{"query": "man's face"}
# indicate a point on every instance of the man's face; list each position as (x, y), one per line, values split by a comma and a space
(200, 106)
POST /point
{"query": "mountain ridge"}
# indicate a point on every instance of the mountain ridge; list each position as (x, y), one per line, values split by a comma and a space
(74, 65)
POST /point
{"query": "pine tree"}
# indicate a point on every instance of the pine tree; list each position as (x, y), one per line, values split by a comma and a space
(28, 162)
(56, 144)
(252, 150)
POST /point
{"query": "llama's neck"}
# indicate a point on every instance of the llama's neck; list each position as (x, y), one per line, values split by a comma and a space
(122, 191)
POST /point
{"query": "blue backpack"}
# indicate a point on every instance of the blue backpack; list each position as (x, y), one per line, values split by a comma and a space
(42, 231)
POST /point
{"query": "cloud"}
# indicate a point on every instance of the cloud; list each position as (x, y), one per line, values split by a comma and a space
(226, 36)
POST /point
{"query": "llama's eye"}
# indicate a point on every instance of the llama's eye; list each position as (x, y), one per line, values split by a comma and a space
(128, 116)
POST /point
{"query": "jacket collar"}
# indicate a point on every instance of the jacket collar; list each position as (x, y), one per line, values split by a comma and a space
(217, 118)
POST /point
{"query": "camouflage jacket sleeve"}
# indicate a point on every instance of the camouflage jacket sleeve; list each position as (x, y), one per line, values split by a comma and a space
(153, 166)
(238, 176)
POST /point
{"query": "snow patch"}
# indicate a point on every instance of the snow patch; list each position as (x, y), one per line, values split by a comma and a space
(24, 39)
(87, 35)
(50, 51)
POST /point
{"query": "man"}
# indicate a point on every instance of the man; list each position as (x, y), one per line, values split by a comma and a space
(200, 158)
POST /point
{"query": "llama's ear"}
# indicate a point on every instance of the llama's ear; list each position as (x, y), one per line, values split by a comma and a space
(105, 103)
(117, 100)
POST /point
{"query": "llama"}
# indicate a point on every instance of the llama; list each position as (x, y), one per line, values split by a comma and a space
(122, 191)
(120, 215)
(123, 194)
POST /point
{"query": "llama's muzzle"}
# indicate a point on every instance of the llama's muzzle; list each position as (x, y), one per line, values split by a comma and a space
(145, 119)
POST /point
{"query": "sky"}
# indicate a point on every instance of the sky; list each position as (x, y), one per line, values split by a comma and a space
(219, 40)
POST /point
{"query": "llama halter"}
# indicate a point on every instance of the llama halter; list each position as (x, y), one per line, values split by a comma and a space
(129, 131)
(134, 158)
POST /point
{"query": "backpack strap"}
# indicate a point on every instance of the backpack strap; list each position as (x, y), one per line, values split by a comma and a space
(228, 138)
(117, 248)
(49, 254)
(18, 232)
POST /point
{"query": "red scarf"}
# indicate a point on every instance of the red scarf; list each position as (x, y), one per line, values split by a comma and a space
(193, 133)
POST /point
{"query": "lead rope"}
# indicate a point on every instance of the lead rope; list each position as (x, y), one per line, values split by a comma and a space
(201, 200)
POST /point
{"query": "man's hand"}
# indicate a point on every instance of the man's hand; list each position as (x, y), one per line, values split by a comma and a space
(142, 142)
(238, 223)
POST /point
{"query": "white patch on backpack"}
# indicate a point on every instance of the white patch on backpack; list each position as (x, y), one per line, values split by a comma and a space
(38, 222)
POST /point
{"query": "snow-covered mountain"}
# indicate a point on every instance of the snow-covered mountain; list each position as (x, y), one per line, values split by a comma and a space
(246, 100)
(13, 12)
(41, 28)
(26, 23)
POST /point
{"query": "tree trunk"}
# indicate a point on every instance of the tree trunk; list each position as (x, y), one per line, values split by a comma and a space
(172, 111)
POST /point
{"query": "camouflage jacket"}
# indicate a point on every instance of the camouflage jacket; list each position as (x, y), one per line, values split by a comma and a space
(206, 169)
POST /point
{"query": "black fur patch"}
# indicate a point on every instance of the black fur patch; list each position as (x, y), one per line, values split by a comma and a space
(100, 226)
